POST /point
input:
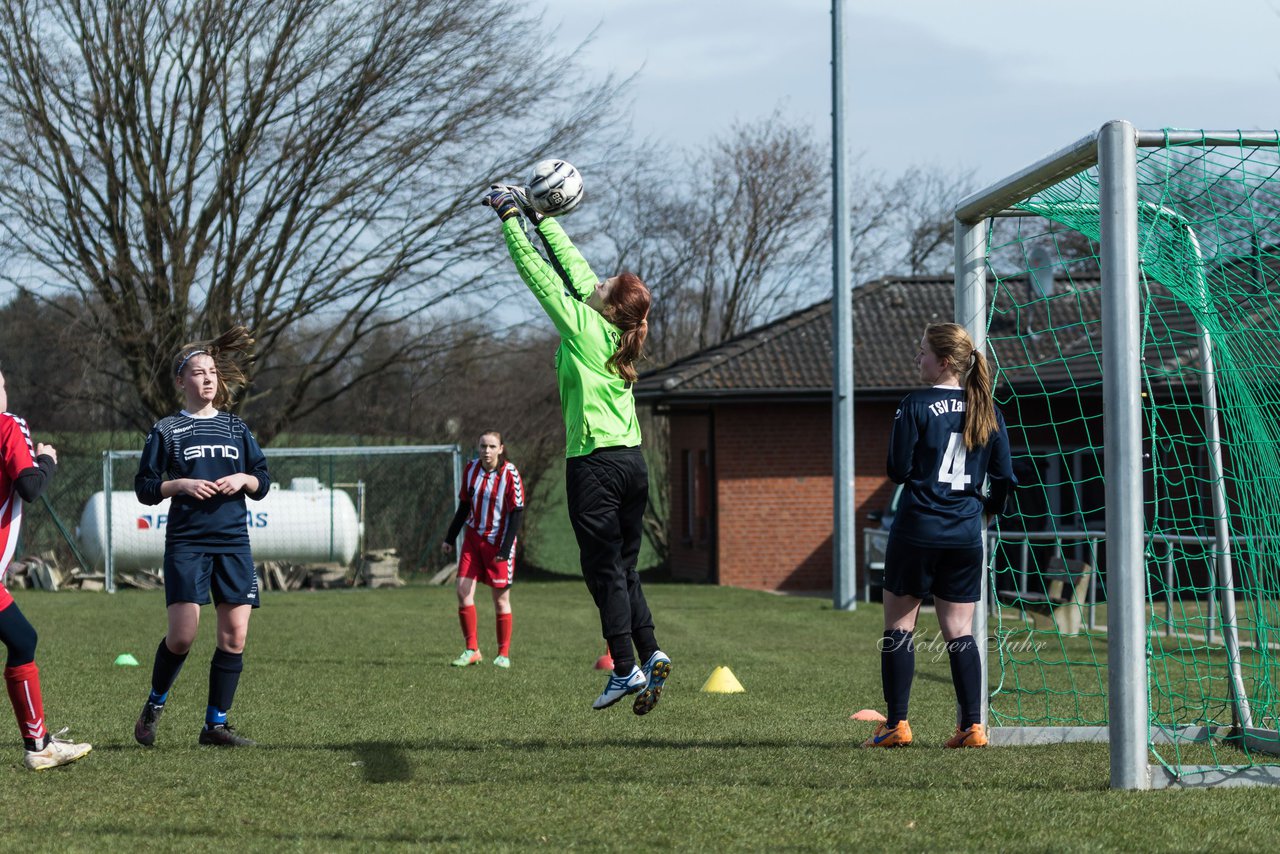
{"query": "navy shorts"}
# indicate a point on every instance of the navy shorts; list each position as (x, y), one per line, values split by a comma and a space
(953, 574)
(191, 576)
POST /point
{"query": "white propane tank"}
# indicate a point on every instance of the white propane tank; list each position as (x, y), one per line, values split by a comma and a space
(306, 523)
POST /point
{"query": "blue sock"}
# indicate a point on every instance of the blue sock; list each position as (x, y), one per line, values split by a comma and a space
(966, 676)
(157, 699)
(897, 668)
(213, 717)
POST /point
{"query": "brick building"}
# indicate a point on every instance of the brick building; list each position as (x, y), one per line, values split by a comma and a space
(750, 453)
(751, 436)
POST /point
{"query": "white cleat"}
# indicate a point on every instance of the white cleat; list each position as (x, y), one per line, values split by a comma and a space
(57, 752)
(620, 686)
(656, 671)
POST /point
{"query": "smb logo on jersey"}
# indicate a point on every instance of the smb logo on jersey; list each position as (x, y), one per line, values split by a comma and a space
(199, 452)
(148, 522)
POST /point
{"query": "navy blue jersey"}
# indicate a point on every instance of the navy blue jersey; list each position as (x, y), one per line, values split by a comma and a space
(205, 449)
(942, 501)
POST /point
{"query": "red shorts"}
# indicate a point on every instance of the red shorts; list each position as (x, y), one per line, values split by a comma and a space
(478, 560)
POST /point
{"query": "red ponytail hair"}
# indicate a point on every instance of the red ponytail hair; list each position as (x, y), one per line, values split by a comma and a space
(628, 309)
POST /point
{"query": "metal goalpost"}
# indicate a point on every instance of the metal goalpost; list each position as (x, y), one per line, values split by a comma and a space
(1113, 149)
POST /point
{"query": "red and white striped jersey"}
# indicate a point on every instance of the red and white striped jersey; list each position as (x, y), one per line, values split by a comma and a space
(17, 453)
(491, 495)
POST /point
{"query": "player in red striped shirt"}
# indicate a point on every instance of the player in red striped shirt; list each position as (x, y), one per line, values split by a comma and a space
(490, 506)
(25, 470)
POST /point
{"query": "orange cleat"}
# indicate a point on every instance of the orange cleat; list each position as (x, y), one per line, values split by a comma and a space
(886, 736)
(974, 736)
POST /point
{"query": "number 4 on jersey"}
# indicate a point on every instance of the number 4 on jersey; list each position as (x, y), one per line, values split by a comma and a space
(952, 470)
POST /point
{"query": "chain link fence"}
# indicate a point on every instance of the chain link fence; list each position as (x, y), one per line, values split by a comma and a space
(327, 505)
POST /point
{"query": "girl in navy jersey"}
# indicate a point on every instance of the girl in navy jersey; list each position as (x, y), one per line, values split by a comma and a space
(205, 461)
(26, 469)
(947, 441)
(491, 505)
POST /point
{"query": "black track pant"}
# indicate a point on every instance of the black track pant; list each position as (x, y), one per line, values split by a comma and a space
(607, 493)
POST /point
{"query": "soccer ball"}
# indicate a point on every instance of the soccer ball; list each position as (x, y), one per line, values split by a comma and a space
(555, 187)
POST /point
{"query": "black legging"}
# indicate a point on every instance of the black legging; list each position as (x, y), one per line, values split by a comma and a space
(607, 492)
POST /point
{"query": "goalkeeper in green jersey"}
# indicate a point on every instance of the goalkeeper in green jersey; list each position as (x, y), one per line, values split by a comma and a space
(602, 326)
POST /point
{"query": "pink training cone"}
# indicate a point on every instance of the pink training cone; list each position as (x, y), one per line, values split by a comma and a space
(867, 715)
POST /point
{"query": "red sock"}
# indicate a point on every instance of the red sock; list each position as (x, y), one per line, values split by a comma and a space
(23, 683)
(467, 617)
(504, 633)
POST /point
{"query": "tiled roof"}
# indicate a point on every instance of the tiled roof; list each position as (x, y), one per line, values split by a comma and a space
(1038, 343)
(791, 357)
(1045, 343)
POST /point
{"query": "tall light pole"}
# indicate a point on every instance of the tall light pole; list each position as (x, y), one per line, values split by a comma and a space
(844, 551)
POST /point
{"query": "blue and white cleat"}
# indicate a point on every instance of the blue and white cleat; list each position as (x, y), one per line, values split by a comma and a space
(656, 671)
(620, 686)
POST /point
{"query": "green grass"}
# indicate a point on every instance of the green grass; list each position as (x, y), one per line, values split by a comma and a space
(370, 739)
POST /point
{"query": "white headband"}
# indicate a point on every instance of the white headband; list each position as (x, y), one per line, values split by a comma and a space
(188, 358)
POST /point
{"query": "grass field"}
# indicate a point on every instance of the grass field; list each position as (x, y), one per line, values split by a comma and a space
(368, 739)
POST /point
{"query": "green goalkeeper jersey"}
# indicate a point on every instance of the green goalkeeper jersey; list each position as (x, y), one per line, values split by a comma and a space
(599, 408)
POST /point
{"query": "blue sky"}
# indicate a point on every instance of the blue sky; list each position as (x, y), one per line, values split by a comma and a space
(988, 86)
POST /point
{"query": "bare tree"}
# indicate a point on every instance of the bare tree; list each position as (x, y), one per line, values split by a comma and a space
(758, 224)
(727, 237)
(302, 166)
(920, 219)
(740, 232)
(724, 238)
(47, 380)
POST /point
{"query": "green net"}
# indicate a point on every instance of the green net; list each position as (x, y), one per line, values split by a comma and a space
(1209, 249)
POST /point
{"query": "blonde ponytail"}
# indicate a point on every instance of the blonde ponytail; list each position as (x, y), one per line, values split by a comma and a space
(951, 343)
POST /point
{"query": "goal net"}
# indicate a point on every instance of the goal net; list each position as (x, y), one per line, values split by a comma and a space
(1167, 251)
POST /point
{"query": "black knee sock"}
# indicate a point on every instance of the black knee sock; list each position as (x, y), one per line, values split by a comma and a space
(966, 675)
(224, 676)
(897, 668)
(164, 671)
(646, 643)
(624, 658)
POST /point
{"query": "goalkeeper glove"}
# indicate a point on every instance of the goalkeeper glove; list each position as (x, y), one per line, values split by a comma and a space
(503, 202)
(521, 197)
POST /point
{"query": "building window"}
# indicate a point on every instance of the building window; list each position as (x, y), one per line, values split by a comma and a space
(689, 492)
(695, 488)
(702, 495)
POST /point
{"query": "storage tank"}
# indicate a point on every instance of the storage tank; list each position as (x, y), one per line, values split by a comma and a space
(305, 523)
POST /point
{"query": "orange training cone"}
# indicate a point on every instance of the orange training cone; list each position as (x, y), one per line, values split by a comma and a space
(604, 662)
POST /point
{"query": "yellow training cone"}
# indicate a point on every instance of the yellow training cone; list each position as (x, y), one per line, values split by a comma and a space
(722, 681)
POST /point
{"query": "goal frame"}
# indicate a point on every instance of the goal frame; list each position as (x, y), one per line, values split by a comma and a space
(1113, 149)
